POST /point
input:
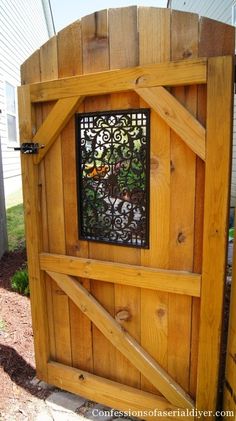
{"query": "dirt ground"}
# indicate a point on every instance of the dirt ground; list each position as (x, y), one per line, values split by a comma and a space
(18, 397)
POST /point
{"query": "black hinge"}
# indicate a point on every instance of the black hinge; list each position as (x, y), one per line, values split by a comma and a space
(29, 148)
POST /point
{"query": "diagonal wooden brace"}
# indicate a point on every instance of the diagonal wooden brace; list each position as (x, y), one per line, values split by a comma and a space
(127, 345)
(54, 123)
(177, 117)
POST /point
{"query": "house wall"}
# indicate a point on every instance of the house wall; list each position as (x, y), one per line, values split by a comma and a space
(23, 30)
(24, 26)
(3, 231)
(214, 9)
(222, 11)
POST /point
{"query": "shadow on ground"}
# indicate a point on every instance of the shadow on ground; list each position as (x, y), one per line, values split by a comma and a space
(20, 372)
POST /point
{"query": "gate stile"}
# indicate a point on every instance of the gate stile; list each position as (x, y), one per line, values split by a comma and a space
(166, 354)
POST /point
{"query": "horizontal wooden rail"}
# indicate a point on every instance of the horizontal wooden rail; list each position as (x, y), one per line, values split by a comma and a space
(107, 392)
(122, 340)
(173, 73)
(139, 276)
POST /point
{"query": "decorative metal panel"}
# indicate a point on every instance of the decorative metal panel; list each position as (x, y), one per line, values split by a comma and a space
(113, 176)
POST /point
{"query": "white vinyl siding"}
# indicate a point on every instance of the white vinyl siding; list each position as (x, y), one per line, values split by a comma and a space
(11, 113)
(23, 30)
(221, 11)
(214, 9)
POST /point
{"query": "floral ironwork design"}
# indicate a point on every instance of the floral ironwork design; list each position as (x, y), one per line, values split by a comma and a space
(113, 182)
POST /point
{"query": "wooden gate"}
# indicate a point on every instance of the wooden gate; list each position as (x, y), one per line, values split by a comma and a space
(129, 327)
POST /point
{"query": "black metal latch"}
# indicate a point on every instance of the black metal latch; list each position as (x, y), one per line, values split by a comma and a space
(29, 148)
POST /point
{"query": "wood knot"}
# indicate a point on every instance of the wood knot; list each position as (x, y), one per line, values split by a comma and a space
(154, 163)
(187, 54)
(140, 80)
(81, 377)
(167, 113)
(83, 308)
(75, 247)
(123, 316)
(233, 356)
(181, 237)
(172, 167)
(160, 312)
(59, 292)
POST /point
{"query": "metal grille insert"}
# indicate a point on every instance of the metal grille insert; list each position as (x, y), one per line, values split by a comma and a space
(113, 176)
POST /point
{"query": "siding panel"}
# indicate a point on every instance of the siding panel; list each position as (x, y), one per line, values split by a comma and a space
(23, 29)
(214, 9)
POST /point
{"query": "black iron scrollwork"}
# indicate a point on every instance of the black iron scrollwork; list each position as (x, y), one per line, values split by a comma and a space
(113, 182)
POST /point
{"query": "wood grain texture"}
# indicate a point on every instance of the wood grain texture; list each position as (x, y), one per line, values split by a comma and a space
(184, 43)
(32, 225)
(177, 117)
(151, 296)
(33, 182)
(95, 42)
(95, 37)
(80, 326)
(100, 82)
(54, 124)
(127, 345)
(115, 395)
(219, 137)
(124, 274)
(210, 43)
(31, 72)
(155, 24)
(215, 39)
(58, 305)
(123, 52)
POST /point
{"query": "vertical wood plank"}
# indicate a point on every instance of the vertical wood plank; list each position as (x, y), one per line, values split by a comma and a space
(154, 24)
(69, 64)
(215, 39)
(124, 37)
(184, 44)
(96, 58)
(123, 29)
(95, 42)
(58, 304)
(219, 137)
(30, 72)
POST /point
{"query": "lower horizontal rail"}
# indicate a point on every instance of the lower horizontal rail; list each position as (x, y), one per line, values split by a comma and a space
(177, 282)
(113, 394)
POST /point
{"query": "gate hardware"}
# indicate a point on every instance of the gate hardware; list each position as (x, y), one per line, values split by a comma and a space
(29, 148)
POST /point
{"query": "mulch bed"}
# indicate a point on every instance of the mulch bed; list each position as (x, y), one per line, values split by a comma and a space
(18, 396)
(9, 263)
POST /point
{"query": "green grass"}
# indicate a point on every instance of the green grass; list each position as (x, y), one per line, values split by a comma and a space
(20, 281)
(15, 227)
(14, 199)
(2, 325)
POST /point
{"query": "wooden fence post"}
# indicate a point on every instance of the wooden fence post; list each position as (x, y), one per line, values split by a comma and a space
(218, 170)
